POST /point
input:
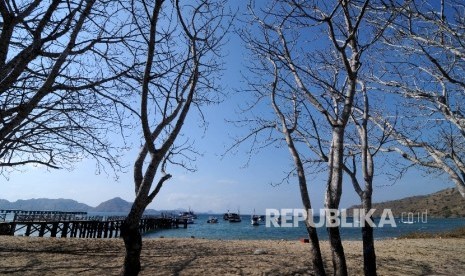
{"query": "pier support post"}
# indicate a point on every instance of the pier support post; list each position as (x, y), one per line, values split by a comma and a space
(28, 229)
(64, 231)
(42, 230)
(53, 233)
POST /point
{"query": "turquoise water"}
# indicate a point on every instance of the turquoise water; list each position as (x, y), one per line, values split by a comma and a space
(245, 231)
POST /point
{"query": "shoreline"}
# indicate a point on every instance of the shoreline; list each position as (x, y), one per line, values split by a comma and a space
(192, 256)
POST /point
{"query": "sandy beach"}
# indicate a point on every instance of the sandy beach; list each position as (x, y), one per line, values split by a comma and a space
(41, 256)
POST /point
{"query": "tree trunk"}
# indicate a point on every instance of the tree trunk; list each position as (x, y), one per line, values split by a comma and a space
(133, 244)
(369, 256)
(337, 252)
(333, 197)
(317, 260)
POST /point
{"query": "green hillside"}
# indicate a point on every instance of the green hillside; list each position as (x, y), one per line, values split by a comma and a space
(444, 204)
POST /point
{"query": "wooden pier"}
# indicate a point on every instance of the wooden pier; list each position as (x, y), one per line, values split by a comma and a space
(75, 225)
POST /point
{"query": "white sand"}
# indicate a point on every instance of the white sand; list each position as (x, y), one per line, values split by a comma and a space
(55, 256)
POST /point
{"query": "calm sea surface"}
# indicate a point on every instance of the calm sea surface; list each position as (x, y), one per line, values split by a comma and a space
(245, 231)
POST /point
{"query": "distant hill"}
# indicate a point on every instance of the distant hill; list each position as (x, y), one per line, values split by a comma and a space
(443, 204)
(45, 204)
(116, 204)
(4, 204)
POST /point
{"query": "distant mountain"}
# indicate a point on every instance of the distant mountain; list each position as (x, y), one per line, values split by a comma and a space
(445, 203)
(4, 204)
(45, 204)
(116, 204)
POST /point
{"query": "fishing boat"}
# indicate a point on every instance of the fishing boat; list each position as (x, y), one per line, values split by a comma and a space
(232, 217)
(188, 214)
(235, 218)
(255, 220)
(192, 214)
(212, 220)
(188, 219)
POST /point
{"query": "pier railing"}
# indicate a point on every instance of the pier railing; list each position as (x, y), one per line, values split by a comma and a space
(53, 217)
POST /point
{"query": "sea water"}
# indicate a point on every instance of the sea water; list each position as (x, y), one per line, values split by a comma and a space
(225, 230)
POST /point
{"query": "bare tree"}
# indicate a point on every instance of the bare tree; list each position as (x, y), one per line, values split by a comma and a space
(59, 65)
(281, 129)
(289, 124)
(424, 57)
(179, 47)
(366, 143)
(319, 48)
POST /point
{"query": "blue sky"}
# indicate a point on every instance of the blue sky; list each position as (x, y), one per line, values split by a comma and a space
(219, 184)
